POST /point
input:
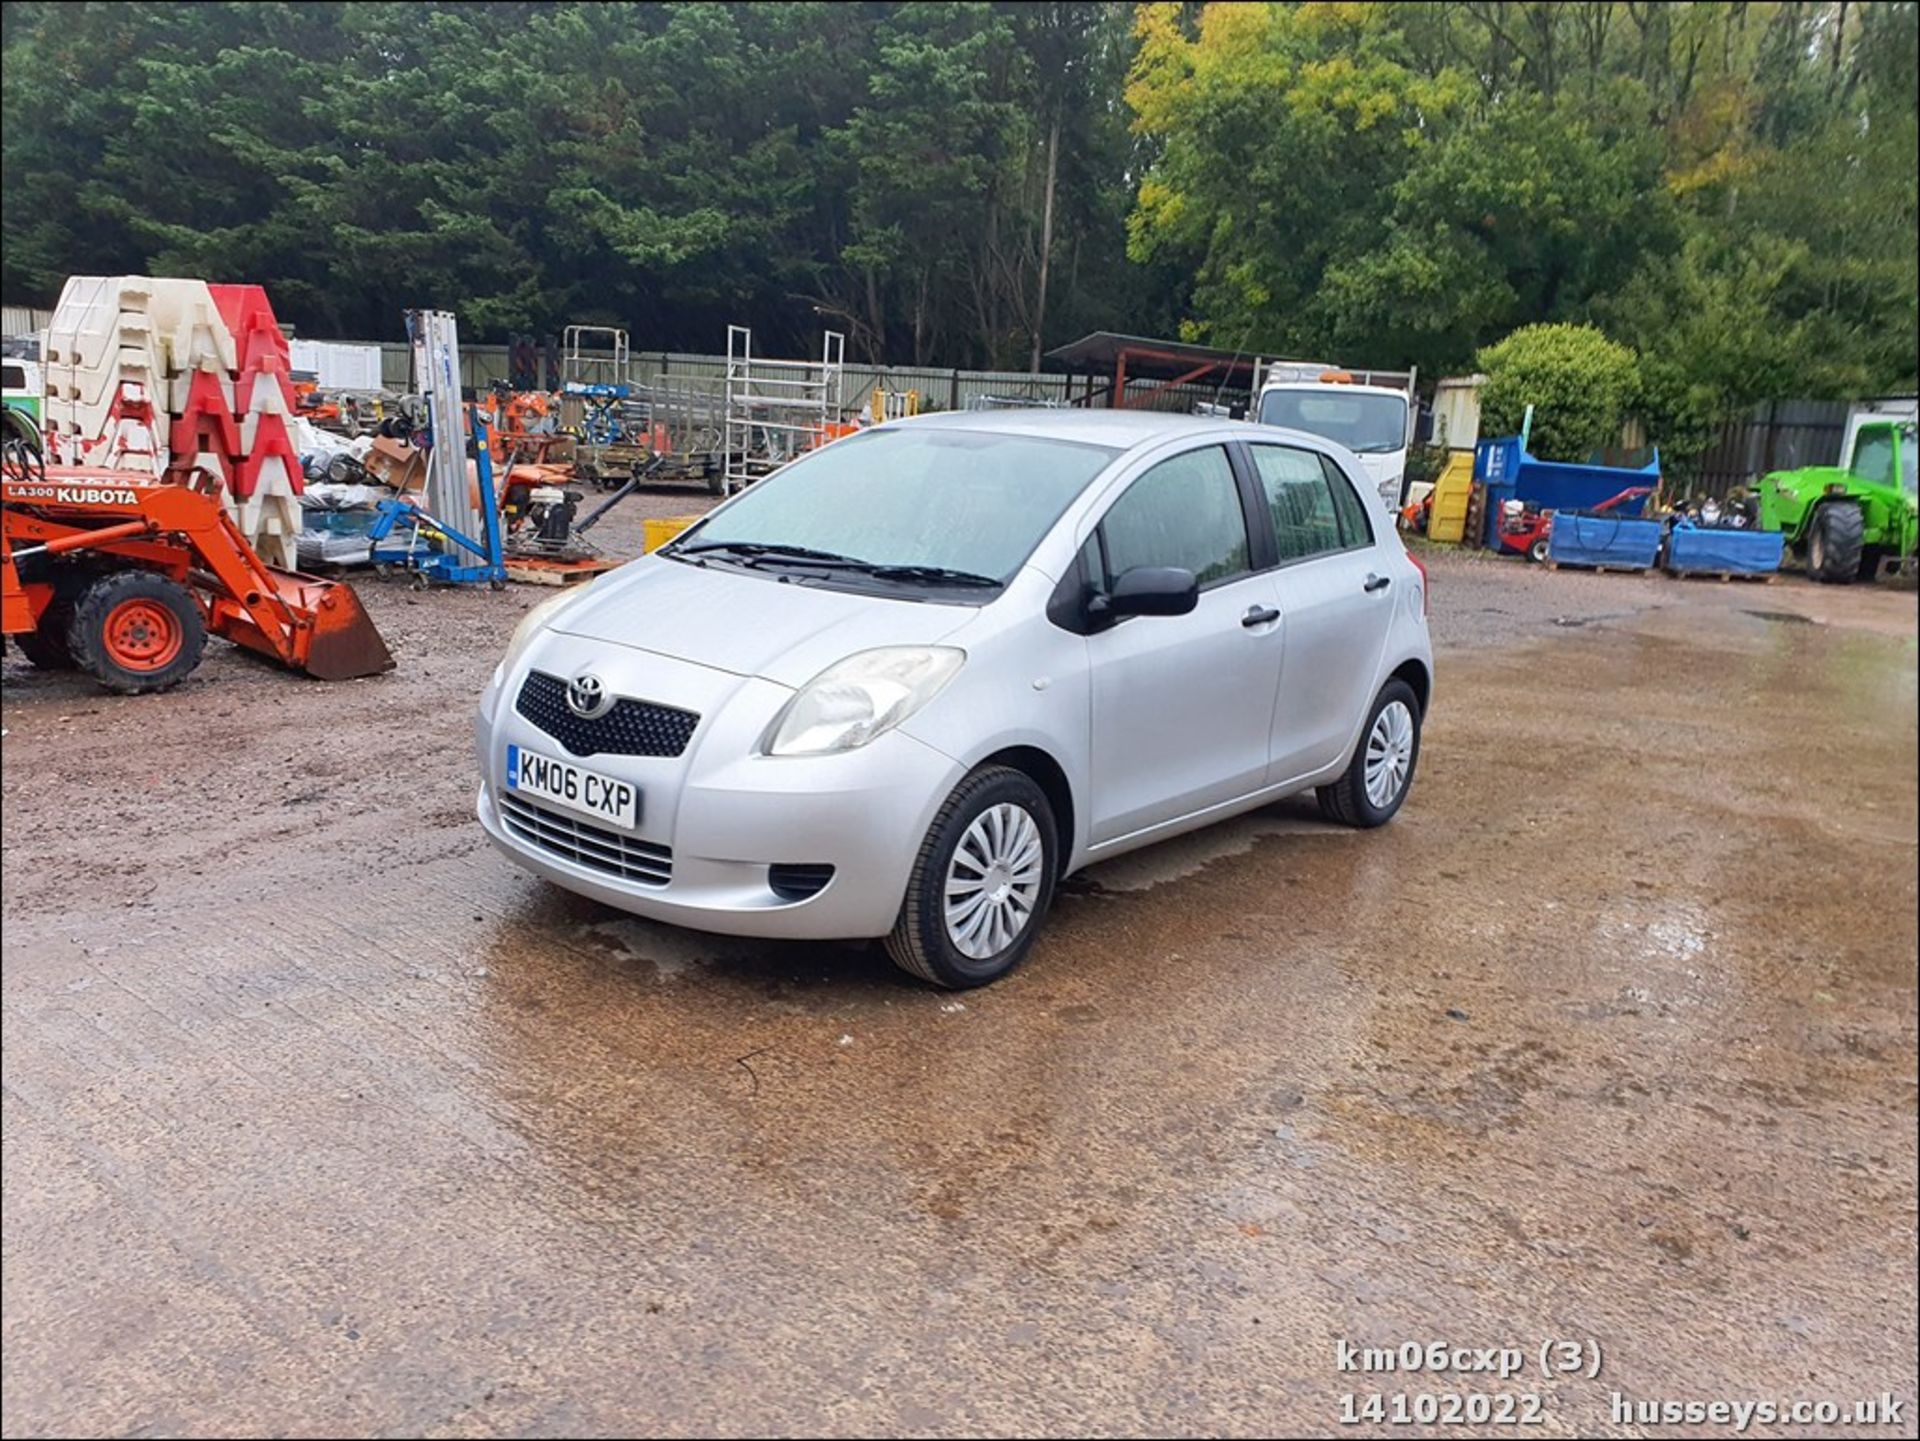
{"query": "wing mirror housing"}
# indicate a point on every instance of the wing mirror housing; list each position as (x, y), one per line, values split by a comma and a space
(1147, 590)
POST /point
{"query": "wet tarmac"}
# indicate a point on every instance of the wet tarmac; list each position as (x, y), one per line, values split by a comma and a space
(321, 1118)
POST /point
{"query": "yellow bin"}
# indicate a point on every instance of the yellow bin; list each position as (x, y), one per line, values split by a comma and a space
(661, 529)
(1448, 519)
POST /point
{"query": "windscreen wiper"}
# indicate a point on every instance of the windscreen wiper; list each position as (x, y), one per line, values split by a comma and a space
(757, 550)
(769, 552)
(932, 574)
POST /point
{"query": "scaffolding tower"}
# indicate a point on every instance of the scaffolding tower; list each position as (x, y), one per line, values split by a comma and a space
(778, 409)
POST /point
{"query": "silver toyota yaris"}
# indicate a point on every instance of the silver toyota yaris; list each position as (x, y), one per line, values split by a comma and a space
(903, 686)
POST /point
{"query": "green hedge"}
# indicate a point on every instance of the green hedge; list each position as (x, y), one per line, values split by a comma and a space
(1580, 384)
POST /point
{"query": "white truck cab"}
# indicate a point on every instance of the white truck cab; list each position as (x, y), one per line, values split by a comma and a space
(1370, 412)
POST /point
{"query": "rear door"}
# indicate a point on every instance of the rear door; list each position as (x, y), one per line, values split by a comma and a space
(1335, 588)
(1182, 706)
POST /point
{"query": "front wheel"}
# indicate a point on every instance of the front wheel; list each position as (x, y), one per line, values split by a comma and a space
(1378, 777)
(1835, 540)
(135, 631)
(981, 883)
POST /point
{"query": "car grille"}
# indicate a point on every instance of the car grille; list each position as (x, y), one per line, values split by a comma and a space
(585, 844)
(629, 728)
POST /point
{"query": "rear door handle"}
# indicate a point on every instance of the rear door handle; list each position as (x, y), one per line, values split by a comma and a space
(1259, 615)
(1377, 582)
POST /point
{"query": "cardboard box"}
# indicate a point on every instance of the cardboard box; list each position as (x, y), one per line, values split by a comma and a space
(397, 464)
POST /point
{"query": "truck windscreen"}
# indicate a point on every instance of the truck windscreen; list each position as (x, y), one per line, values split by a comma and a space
(1364, 423)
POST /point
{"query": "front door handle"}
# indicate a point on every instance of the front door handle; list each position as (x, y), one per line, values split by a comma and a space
(1259, 615)
(1377, 582)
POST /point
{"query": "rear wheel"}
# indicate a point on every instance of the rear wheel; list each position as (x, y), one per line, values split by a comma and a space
(45, 646)
(1378, 777)
(1835, 540)
(1537, 552)
(134, 631)
(981, 884)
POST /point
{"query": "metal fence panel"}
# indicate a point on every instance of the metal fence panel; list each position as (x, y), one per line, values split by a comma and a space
(1775, 435)
(939, 388)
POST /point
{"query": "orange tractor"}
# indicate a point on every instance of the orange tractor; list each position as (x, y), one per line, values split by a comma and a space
(122, 576)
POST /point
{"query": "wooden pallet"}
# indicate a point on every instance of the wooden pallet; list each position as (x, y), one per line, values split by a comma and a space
(1764, 577)
(532, 570)
(1598, 569)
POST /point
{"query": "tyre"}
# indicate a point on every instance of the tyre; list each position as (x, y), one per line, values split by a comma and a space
(45, 646)
(981, 884)
(1835, 539)
(1380, 774)
(1537, 552)
(135, 631)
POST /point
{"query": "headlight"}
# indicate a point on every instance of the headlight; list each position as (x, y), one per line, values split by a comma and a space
(533, 620)
(864, 696)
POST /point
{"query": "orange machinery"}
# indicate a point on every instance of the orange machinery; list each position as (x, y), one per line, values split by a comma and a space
(122, 576)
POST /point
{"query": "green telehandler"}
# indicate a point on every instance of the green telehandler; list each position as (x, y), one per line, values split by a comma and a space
(1856, 522)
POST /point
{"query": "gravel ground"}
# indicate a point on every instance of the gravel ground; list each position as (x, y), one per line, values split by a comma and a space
(323, 1118)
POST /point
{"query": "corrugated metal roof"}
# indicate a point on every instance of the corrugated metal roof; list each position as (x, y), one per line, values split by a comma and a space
(1147, 359)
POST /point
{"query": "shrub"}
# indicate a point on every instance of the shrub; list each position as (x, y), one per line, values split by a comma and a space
(1580, 384)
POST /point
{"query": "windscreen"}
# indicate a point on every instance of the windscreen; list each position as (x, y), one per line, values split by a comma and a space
(1364, 423)
(960, 499)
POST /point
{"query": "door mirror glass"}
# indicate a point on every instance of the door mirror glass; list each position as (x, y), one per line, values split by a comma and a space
(1149, 590)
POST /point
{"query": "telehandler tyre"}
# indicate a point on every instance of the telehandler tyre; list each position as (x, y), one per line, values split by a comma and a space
(1834, 542)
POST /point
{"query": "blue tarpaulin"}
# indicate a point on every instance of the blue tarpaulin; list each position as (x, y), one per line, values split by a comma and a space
(1736, 552)
(1612, 540)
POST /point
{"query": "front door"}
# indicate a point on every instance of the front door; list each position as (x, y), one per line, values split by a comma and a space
(1182, 705)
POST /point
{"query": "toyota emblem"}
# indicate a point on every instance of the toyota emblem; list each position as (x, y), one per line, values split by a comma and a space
(587, 696)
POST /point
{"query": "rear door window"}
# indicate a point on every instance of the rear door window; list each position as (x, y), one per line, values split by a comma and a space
(1305, 522)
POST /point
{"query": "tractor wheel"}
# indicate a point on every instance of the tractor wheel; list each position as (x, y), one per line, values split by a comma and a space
(1834, 543)
(135, 631)
(45, 646)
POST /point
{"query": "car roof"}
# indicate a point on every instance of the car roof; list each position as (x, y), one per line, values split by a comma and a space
(1118, 429)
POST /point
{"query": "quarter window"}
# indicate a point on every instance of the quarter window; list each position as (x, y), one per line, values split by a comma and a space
(1354, 525)
(1184, 512)
(1305, 522)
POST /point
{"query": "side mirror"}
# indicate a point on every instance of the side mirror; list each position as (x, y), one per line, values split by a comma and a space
(1148, 590)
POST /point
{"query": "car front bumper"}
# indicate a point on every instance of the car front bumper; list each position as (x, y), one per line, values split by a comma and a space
(727, 813)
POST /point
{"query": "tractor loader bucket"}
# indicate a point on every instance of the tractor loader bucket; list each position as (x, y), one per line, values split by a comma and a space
(326, 633)
(345, 644)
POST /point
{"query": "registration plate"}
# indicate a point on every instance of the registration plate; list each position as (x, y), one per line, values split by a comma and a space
(562, 783)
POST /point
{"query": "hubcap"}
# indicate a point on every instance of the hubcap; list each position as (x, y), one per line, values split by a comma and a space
(142, 635)
(993, 881)
(1389, 753)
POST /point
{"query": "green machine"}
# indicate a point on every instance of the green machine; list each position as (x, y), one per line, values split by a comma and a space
(22, 386)
(1857, 521)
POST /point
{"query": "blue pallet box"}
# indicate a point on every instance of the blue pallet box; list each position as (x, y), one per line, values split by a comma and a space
(1716, 551)
(1618, 542)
